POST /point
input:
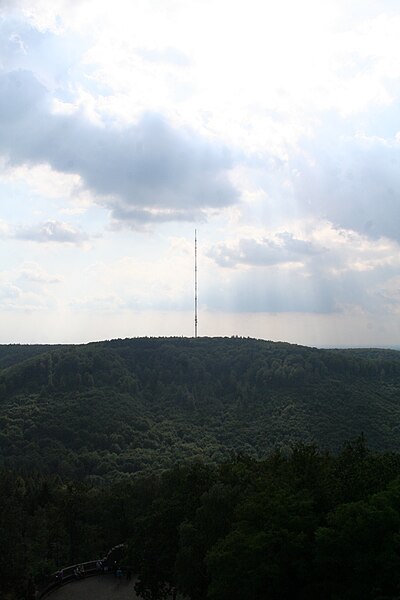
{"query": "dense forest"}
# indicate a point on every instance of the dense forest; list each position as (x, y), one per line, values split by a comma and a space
(224, 464)
(301, 524)
(110, 410)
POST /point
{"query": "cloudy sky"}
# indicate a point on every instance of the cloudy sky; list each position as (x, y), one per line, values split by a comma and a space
(273, 128)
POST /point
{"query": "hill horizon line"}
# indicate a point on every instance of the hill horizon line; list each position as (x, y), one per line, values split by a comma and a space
(207, 337)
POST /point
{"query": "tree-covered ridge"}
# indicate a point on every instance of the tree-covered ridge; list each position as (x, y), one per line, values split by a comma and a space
(11, 354)
(300, 524)
(183, 361)
(120, 407)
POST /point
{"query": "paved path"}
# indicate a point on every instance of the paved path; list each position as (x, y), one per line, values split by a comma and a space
(102, 587)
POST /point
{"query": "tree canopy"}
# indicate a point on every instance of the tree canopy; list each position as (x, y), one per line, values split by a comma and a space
(110, 409)
(304, 523)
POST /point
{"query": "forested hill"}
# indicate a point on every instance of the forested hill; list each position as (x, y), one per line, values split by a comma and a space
(103, 409)
(12, 354)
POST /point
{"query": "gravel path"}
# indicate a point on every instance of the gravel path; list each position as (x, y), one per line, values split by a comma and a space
(104, 587)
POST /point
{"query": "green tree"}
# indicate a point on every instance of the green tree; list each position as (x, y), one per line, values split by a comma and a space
(358, 552)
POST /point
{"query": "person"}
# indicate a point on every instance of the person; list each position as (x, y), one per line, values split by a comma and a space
(99, 566)
(59, 576)
(128, 574)
(119, 573)
(79, 572)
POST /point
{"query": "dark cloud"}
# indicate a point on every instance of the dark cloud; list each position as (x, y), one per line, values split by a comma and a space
(354, 182)
(126, 214)
(51, 231)
(276, 291)
(310, 290)
(284, 248)
(149, 171)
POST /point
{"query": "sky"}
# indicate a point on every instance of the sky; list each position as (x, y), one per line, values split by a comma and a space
(272, 128)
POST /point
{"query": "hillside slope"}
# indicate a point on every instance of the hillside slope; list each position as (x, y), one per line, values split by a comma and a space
(103, 409)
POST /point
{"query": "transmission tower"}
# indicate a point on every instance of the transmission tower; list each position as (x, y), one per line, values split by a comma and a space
(195, 283)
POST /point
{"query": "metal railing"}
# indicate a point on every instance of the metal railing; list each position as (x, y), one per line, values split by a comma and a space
(87, 569)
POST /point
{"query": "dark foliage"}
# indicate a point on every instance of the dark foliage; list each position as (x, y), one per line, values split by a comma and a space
(112, 409)
(295, 525)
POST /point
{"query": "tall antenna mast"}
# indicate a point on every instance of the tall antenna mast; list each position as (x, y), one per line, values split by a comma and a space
(195, 283)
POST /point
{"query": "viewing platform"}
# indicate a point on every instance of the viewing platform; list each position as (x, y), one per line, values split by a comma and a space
(99, 587)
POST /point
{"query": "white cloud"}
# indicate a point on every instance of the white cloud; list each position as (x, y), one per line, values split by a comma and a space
(275, 125)
(283, 248)
(144, 282)
(25, 288)
(47, 183)
(100, 304)
(51, 231)
(33, 272)
(4, 229)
